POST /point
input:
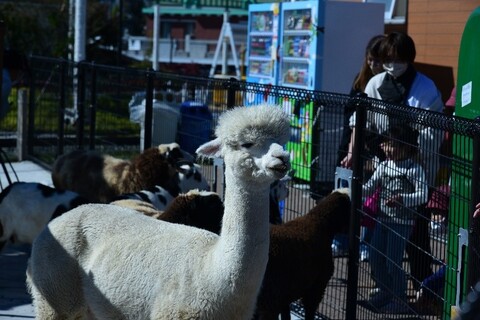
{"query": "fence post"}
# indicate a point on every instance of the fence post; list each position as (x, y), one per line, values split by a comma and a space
(61, 111)
(147, 132)
(356, 197)
(231, 91)
(31, 114)
(473, 275)
(93, 106)
(22, 124)
(81, 104)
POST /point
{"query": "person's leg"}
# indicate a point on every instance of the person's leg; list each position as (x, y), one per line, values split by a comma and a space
(396, 242)
(418, 249)
(365, 239)
(379, 267)
(340, 244)
(367, 234)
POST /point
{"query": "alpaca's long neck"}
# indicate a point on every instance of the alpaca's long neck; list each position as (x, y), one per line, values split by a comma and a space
(246, 217)
(241, 253)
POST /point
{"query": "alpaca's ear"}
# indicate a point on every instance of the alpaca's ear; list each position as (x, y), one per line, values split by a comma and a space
(211, 149)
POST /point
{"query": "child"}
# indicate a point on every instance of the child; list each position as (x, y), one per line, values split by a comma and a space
(403, 188)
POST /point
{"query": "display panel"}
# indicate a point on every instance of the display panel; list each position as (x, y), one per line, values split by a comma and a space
(298, 46)
(299, 146)
(262, 43)
(295, 73)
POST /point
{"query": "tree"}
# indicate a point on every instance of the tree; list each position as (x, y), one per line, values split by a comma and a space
(41, 27)
(35, 28)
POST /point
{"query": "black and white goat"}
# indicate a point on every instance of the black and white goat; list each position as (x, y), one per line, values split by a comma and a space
(27, 207)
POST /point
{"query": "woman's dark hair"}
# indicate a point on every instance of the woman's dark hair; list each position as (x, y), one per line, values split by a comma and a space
(372, 50)
(397, 46)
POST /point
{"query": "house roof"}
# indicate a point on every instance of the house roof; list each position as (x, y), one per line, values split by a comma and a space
(203, 7)
(208, 11)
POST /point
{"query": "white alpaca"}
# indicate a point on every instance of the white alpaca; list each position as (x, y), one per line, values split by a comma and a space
(118, 264)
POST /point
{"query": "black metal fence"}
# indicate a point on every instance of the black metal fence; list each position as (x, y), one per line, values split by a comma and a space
(121, 111)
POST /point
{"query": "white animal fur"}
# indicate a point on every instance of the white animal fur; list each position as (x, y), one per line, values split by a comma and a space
(143, 207)
(122, 265)
(27, 207)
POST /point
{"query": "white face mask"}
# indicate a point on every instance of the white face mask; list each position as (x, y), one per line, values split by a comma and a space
(395, 69)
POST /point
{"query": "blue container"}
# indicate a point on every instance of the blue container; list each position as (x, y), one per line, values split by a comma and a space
(195, 125)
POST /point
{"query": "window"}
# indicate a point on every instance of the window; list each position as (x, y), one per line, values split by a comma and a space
(395, 10)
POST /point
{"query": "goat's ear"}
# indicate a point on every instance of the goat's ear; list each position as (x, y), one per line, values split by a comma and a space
(211, 149)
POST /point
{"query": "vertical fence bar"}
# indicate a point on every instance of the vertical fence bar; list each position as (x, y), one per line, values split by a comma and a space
(356, 196)
(231, 91)
(61, 110)
(22, 124)
(31, 114)
(2, 36)
(473, 275)
(81, 104)
(147, 142)
(93, 106)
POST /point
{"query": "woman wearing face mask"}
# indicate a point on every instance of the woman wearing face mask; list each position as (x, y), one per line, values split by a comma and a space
(402, 84)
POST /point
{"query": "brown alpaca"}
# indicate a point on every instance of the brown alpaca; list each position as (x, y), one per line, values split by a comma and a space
(100, 178)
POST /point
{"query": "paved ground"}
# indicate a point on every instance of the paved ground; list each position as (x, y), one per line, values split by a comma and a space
(15, 302)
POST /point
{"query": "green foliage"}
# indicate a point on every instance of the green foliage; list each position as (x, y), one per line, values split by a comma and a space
(35, 28)
(41, 27)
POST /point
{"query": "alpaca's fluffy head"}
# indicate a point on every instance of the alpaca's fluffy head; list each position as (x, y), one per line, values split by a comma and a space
(164, 148)
(263, 122)
(174, 153)
(251, 139)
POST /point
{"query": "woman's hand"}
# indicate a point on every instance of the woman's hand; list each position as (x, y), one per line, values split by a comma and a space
(476, 213)
(347, 161)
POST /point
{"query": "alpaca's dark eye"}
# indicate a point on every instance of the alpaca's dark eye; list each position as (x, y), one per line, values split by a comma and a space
(247, 145)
